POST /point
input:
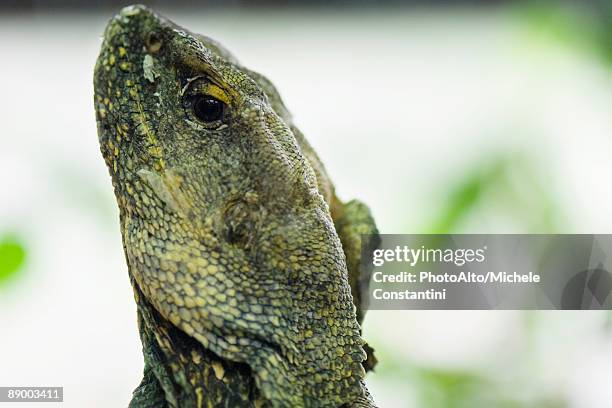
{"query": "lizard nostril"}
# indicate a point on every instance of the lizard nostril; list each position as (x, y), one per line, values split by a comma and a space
(153, 42)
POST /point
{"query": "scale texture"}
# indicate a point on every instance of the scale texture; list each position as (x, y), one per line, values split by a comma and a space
(245, 266)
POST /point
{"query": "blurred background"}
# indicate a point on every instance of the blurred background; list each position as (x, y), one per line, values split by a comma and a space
(443, 116)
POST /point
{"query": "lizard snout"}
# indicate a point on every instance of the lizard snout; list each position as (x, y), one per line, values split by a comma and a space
(283, 173)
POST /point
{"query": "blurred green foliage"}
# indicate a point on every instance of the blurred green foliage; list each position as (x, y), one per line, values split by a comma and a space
(507, 184)
(443, 387)
(12, 257)
(586, 24)
(515, 186)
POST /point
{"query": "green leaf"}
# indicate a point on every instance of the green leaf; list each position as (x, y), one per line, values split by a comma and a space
(12, 257)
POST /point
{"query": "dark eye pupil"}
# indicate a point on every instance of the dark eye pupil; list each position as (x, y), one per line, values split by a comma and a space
(207, 108)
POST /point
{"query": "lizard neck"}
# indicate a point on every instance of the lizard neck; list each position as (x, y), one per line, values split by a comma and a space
(180, 372)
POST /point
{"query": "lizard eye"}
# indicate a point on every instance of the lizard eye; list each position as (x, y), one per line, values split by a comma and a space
(208, 109)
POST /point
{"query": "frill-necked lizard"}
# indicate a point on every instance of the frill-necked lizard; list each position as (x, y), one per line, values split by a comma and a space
(245, 266)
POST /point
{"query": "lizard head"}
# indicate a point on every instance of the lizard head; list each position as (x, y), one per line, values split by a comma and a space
(177, 110)
(224, 226)
(184, 108)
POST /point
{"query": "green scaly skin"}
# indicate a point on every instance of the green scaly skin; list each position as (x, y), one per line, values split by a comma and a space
(244, 264)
